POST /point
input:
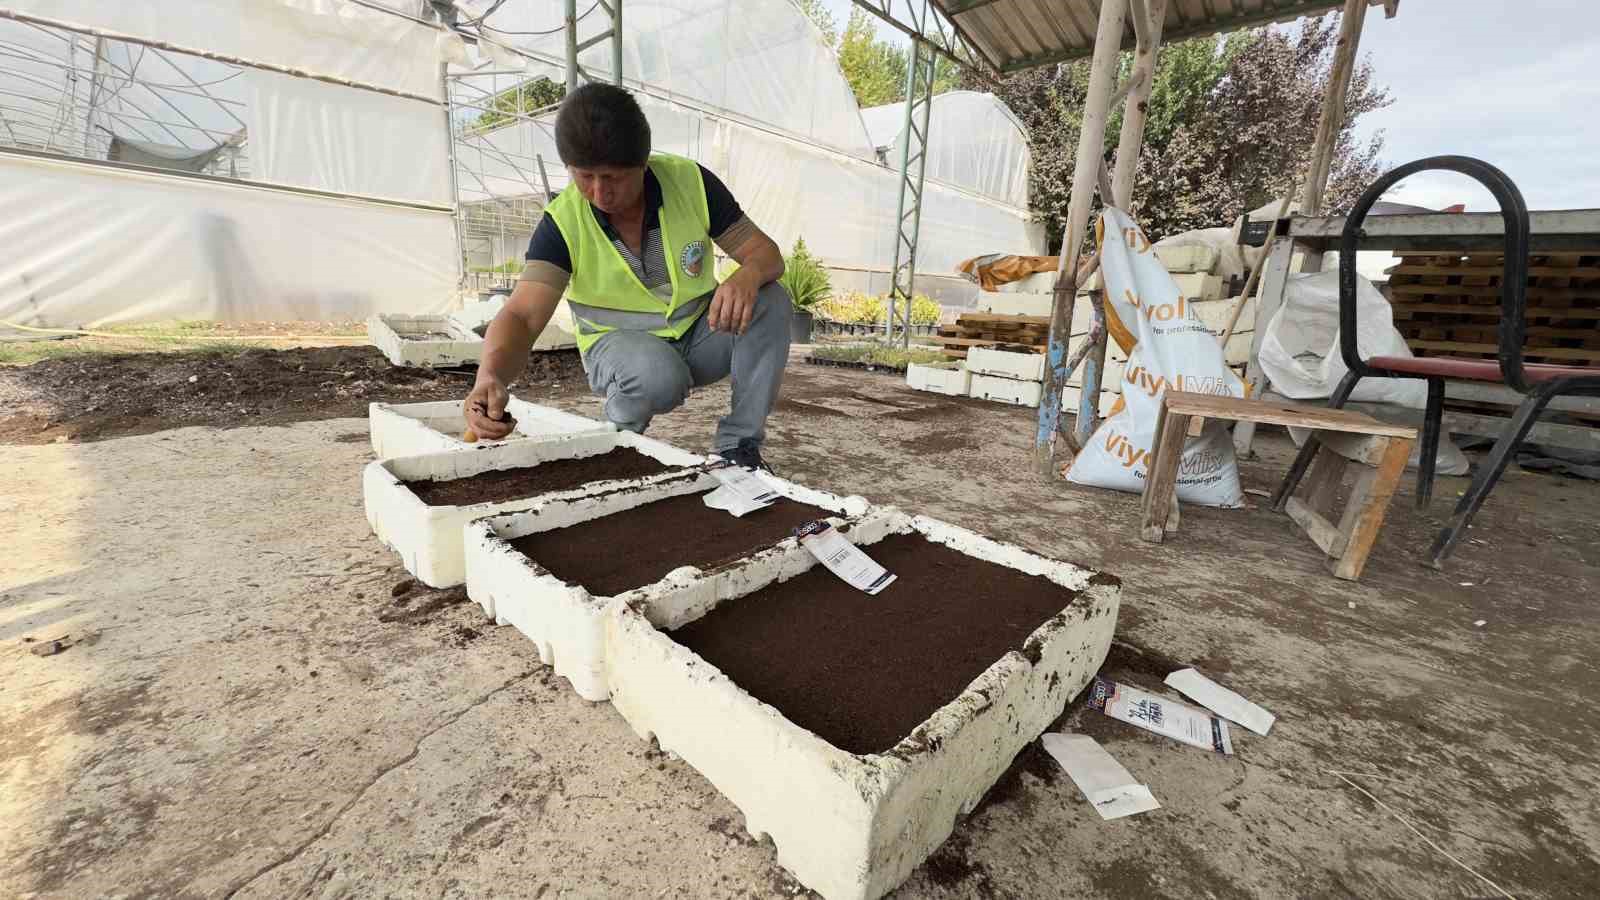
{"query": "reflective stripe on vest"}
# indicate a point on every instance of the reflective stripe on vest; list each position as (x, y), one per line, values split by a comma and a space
(593, 321)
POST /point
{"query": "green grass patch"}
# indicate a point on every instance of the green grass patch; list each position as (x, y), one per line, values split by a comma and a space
(877, 354)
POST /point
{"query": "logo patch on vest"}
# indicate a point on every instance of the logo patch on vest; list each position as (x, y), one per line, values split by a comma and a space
(693, 258)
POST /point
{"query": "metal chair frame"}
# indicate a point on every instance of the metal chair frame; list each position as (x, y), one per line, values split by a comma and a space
(1537, 394)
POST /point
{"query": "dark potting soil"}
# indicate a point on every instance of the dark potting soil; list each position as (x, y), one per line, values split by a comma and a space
(529, 481)
(631, 549)
(863, 671)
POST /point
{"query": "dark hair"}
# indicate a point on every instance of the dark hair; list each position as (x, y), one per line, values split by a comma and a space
(602, 125)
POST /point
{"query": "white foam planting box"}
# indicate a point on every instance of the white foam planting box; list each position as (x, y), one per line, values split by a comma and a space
(425, 341)
(1005, 390)
(1006, 363)
(849, 826)
(410, 429)
(951, 380)
(428, 538)
(565, 621)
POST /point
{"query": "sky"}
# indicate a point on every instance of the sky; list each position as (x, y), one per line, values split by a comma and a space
(1511, 82)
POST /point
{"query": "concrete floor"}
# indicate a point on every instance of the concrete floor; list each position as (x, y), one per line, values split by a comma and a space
(259, 717)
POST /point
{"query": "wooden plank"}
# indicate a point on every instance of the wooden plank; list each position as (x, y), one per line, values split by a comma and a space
(1369, 502)
(1003, 319)
(1320, 530)
(1594, 251)
(1321, 484)
(1161, 477)
(1362, 448)
(1277, 413)
(1578, 353)
(1492, 310)
(1575, 272)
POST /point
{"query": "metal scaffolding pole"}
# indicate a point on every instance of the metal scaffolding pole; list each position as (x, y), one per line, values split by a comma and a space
(913, 166)
(613, 11)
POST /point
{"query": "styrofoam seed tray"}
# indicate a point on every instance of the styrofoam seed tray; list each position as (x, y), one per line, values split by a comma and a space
(952, 381)
(428, 538)
(564, 620)
(411, 429)
(400, 338)
(852, 827)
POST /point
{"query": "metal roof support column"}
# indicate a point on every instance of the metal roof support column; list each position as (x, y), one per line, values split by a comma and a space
(1086, 171)
(1332, 120)
(913, 166)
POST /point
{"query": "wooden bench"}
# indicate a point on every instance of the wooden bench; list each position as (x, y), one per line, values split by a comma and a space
(1378, 448)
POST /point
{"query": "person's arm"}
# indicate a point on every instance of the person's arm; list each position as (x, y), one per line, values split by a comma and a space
(505, 356)
(760, 260)
(760, 263)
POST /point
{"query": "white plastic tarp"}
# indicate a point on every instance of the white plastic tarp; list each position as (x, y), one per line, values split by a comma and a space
(974, 141)
(317, 135)
(844, 207)
(1300, 349)
(87, 246)
(328, 37)
(760, 60)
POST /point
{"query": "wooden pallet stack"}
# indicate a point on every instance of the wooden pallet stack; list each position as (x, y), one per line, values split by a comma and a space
(984, 329)
(1448, 304)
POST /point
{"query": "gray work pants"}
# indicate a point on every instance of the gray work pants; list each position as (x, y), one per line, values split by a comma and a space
(642, 375)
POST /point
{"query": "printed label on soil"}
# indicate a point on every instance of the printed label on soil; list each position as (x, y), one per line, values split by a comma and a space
(742, 491)
(1160, 715)
(843, 558)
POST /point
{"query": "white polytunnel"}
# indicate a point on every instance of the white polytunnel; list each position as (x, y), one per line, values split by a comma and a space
(975, 141)
(330, 159)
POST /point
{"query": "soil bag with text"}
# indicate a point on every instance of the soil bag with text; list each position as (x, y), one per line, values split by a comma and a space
(1168, 346)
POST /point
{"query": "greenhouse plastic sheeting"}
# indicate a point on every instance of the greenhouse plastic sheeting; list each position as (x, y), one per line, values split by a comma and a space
(974, 141)
(760, 60)
(844, 207)
(326, 137)
(328, 37)
(87, 246)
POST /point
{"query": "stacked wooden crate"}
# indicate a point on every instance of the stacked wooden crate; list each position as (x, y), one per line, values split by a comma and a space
(1012, 326)
(1448, 304)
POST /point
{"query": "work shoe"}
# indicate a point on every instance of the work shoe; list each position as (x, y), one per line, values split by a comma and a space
(747, 455)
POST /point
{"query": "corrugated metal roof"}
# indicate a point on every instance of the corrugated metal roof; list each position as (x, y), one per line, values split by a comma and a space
(1018, 34)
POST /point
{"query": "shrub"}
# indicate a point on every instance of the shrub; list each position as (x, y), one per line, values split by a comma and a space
(804, 277)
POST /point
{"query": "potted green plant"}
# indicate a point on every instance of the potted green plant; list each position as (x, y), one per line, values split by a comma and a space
(808, 284)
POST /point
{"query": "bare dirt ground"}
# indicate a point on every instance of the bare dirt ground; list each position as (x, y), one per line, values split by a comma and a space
(264, 708)
(93, 397)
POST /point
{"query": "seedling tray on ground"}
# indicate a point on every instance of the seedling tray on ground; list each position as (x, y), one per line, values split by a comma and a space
(428, 537)
(551, 572)
(967, 658)
(411, 429)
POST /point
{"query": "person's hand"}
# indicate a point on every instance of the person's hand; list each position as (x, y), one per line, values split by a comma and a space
(485, 410)
(733, 305)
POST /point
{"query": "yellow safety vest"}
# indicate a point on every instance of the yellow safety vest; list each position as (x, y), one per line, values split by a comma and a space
(604, 293)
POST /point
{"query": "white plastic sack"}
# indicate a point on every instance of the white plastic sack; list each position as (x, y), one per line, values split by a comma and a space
(1300, 349)
(1167, 344)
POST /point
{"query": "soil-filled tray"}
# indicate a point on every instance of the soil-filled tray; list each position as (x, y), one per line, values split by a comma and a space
(618, 553)
(531, 481)
(856, 796)
(427, 535)
(410, 429)
(552, 572)
(863, 672)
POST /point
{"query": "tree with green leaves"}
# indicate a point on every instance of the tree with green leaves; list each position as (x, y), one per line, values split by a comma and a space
(505, 106)
(1231, 124)
(875, 68)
